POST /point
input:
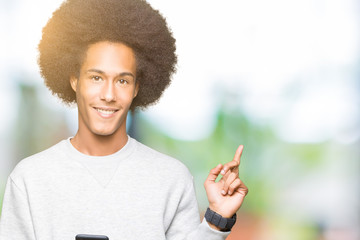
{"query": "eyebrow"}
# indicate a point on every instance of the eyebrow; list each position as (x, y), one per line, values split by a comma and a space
(118, 75)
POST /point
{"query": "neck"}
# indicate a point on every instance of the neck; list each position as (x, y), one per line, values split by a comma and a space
(98, 145)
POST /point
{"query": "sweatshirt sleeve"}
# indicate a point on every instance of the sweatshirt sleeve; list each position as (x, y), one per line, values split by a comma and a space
(186, 222)
(15, 222)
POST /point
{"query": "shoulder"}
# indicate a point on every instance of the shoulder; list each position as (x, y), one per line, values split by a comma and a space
(34, 163)
(160, 162)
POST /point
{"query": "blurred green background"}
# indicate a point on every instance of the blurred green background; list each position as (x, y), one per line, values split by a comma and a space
(280, 77)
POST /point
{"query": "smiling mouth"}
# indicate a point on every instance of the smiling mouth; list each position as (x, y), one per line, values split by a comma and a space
(105, 111)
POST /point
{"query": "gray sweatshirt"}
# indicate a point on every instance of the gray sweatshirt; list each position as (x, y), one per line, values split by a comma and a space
(135, 193)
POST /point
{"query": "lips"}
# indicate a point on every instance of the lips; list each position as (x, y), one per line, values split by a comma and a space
(105, 112)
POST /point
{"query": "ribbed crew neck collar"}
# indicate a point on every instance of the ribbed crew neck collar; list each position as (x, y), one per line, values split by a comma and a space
(124, 152)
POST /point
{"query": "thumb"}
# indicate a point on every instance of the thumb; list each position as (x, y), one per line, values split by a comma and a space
(214, 173)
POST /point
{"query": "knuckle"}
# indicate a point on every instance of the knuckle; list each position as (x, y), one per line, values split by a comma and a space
(238, 181)
(233, 175)
(230, 164)
(235, 184)
(230, 180)
(235, 162)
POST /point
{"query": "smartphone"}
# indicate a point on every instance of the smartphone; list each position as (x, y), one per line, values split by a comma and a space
(90, 237)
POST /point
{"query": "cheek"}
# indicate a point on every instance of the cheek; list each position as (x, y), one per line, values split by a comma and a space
(126, 95)
(126, 98)
(88, 92)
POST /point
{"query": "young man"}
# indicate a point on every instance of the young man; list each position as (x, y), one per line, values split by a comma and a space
(110, 56)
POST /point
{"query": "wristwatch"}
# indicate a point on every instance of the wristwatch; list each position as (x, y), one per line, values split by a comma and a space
(225, 224)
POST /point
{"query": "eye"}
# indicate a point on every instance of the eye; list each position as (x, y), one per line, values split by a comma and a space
(122, 81)
(96, 78)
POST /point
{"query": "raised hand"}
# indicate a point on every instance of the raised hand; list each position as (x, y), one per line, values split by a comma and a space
(226, 196)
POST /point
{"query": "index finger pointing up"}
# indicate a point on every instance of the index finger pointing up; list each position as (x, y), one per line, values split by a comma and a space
(238, 153)
(235, 162)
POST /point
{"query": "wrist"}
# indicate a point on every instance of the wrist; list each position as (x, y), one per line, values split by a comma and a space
(220, 211)
(218, 222)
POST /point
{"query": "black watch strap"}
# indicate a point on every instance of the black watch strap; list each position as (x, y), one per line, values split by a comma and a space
(225, 224)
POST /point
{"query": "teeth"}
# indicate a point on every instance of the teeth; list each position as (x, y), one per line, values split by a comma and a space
(105, 111)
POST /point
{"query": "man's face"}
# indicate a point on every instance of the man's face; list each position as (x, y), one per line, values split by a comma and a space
(105, 88)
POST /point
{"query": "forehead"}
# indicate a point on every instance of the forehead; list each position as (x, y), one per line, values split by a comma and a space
(109, 57)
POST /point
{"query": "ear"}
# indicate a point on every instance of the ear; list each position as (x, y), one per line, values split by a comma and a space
(73, 83)
(136, 89)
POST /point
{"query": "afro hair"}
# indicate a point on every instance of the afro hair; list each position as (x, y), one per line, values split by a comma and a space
(77, 23)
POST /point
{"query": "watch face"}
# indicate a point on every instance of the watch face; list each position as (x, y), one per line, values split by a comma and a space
(91, 237)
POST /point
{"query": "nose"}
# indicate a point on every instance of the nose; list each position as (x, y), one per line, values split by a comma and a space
(108, 92)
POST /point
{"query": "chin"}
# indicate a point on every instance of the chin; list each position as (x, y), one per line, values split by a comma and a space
(103, 132)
